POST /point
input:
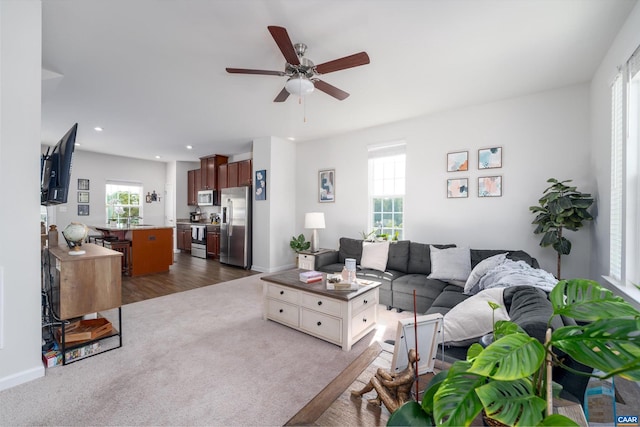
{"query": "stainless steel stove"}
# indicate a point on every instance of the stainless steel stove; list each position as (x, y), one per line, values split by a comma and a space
(199, 240)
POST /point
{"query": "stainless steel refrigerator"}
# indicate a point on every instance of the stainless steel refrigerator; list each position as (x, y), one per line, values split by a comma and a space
(235, 226)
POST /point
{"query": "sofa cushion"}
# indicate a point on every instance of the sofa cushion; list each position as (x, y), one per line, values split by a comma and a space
(419, 257)
(398, 256)
(450, 265)
(472, 318)
(350, 248)
(448, 299)
(424, 287)
(530, 308)
(375, 255)
(471, 286)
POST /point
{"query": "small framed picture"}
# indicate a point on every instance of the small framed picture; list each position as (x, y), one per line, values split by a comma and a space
(83, 184)
(83, 197)
(489, 158)
(261, 185)
(83, 210)
(327, 186)
(490, 186)
(458, 161)
(457, 188)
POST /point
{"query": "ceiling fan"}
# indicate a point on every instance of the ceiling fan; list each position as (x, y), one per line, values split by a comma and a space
(303, 74)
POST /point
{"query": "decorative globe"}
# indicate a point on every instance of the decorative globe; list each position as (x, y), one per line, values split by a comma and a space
(74, 234)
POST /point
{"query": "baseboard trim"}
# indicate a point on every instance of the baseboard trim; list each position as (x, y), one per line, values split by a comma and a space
(21, 377)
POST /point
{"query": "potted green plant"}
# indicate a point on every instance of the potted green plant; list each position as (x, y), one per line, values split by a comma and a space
(299, 244)
(510, 380)
(561, 207)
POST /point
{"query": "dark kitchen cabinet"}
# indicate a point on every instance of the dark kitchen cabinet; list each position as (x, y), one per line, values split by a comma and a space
(244, 173)
(194, 179)
(213, 241)
(183, 238)
(209, 169)
(222, 176)
(232, 174)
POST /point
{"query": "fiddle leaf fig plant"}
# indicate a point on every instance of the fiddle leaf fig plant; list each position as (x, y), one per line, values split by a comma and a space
(561, 207)
(299, 244)
(510, 380)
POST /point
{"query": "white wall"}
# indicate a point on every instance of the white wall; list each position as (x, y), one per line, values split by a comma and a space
(274, 219)
(626, 42)
(20, 90)
(543, 135)
(98, 168)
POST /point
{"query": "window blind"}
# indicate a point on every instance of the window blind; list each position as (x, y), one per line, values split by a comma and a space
(615, 227)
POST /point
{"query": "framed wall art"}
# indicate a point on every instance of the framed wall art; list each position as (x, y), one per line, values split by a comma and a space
(83, 210)
(327, 186)
(490, 186)
(489, 158)
(261, 185)
(83, 184)
(458, 161)
(457, 188)
(83, 197)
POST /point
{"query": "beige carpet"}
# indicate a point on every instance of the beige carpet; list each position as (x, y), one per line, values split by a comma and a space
(201, 357)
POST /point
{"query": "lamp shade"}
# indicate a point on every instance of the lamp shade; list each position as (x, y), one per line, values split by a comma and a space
(314, 220)
(299, 85)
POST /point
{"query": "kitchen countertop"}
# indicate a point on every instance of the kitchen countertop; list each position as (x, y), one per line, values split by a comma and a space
(187, 222)
(127, 228)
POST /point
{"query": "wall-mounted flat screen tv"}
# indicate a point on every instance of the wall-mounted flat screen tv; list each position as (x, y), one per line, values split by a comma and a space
(55, 170)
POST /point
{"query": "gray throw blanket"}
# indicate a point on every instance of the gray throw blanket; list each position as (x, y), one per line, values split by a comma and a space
(517, 273)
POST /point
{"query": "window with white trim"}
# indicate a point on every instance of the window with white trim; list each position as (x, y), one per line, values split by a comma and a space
(123, 201)
(387, 189)
(625, 176)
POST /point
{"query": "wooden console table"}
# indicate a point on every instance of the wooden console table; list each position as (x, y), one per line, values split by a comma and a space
(339, 317)
(85, 284)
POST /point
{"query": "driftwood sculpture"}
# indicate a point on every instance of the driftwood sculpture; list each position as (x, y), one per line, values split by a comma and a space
(394, 389)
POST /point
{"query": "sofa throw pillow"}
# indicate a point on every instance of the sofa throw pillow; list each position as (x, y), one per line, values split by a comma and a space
(473, 318)
(450, 265)
(374, 255)
(471, 287)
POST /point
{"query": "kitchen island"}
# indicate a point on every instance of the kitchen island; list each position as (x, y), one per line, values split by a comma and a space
(151, 246)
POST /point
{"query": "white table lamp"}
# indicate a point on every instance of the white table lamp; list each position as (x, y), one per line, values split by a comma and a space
(314, 220)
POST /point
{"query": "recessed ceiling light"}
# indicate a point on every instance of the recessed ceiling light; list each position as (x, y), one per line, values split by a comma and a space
(98, 129)
(189, 147)
(157, 157)
(291, 138)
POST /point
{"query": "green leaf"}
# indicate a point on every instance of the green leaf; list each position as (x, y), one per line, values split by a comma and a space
(432, 388)
(549, 238)
(409, 414)
(512, 402)
(610, 345)
(455, 402)
(474, 350)
(511, 357)
(586, 300)
(558, 420)
(562, 246)
(505, 327)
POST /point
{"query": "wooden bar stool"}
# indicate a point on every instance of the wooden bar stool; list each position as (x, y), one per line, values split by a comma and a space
(123, 246)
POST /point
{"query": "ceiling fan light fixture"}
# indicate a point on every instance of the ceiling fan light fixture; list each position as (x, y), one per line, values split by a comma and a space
(299, 85)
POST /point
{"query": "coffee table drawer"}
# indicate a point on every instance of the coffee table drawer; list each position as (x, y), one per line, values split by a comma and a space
(282, 312)
(321, 325)
(365, 301)
(363, 320)
(282, 293)
(321, 304)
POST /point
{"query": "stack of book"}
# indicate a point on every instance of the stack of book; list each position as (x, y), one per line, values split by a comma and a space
(310, 276)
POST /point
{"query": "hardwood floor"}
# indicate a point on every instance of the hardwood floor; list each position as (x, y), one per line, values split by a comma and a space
(187, 272)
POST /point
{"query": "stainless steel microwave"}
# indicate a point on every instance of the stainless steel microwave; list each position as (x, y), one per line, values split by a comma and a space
(206, 198)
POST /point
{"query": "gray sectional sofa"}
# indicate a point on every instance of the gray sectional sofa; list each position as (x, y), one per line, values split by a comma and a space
(408, 268)
(409, 264)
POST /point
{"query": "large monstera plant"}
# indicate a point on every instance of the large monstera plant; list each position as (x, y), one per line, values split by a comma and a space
(561, 207)
(510, 380)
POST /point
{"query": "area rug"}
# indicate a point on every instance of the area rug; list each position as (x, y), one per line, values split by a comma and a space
(201, 357)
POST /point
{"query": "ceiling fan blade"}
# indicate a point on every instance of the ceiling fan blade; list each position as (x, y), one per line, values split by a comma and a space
(350, 61)
(330, 90)
(248, 71)
(282, 96)
(283, 41)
